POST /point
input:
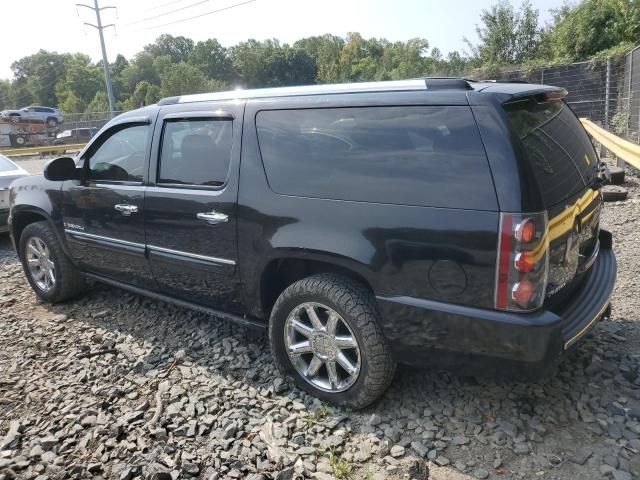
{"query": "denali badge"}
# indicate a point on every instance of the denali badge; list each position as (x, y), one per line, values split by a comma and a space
(73, 226)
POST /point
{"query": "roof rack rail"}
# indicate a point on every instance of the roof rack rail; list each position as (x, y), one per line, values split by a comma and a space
(447, 83)
(363, 87)
(500, 80)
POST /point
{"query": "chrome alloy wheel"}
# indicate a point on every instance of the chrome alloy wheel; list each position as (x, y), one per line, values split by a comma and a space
(41, 267)
(322, 347)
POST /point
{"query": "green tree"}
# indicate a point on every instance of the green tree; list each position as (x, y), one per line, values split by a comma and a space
(269, 64)
(81, 82)
(178, 48)
(212, 59)
(326, 51)
(99, 103)
(507, 36)
(591, 26)
(141, 68)
(38, 74)
(181, 79)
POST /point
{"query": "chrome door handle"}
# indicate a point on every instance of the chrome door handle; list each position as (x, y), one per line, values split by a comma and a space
(126, 210)
(212, 218)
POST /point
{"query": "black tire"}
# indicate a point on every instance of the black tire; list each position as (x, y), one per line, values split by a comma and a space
(68, 281)
(357, 307)
(52, 122)
(613, 193)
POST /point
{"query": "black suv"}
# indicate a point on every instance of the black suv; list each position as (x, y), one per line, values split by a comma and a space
(431, 220)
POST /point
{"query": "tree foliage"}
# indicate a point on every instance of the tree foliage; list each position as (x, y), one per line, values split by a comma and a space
(583, 30)
(508, 34)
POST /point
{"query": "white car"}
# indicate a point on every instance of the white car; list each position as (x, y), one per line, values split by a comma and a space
(9, 172)
(51, 116)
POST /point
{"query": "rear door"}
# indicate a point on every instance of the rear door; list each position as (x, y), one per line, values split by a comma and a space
(191, 204)
(104, 213)
(564, 166)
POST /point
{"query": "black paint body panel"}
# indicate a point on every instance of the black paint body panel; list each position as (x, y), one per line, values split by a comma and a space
(431, 269)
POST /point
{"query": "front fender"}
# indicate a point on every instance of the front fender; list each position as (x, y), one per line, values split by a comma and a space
(32, 197)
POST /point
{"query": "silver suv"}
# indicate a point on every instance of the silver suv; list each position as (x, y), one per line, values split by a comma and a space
(51, 116)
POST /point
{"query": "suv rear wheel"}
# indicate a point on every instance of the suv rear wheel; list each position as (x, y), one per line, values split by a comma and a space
(325, 335)
(49, 272)
(52, 121)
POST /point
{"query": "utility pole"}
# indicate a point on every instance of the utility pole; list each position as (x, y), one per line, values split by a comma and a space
(105, 63)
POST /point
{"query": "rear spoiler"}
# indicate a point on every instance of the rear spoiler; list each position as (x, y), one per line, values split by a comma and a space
(541, 95)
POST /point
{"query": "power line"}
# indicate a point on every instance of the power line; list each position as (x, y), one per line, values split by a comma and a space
(201, 15)
(167, 4)
(169, 12)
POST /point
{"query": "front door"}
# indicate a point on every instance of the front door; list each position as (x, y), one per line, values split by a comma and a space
(191, 204)
(103, 213)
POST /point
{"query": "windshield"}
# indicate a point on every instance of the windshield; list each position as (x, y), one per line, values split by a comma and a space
(6, 165)
(561, 154)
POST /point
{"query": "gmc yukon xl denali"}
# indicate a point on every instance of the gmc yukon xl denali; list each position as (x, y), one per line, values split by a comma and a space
(429, 221)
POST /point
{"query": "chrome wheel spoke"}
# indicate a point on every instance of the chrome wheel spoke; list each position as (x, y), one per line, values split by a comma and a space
(314, 367)
(32, 248)
(33, 262)
(333, 374)
(346, 342)
(332, 323)
(301, 327)
(345, 363)
(313, 318)
(300, 348)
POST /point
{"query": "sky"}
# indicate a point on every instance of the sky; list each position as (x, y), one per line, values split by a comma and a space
(30, 25)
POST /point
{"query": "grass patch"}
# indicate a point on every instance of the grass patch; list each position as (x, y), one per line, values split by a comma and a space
(316, 417)
(342, 469)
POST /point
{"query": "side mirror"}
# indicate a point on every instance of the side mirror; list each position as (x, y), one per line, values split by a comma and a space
(60, 169)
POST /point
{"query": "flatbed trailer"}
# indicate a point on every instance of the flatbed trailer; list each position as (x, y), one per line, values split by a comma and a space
(24, 133)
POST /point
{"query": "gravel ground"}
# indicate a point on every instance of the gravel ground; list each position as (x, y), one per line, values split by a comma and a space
(113, 385)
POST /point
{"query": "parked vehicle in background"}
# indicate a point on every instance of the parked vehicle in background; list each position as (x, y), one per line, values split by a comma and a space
(48, 115)
(429, 221)
(22, 134)
(9, 171)
(75, 135)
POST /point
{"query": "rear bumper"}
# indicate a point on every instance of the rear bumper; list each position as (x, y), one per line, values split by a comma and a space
(422, 332)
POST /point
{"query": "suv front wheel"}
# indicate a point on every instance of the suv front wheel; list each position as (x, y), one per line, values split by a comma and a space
(49, 272)
(325, 335)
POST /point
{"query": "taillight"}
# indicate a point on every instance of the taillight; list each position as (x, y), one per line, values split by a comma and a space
(523, 261)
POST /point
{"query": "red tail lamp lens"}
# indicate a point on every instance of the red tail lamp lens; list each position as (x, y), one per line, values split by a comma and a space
(524, 262)
(523, 292)
(555, 95)
(525, 231)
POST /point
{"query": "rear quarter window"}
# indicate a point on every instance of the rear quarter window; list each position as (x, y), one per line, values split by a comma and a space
(423, 155)
(556, 146)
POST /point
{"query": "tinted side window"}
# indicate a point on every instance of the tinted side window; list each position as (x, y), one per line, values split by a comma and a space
(196, 152)
(121, 157)
(556, 145)
(428, 156)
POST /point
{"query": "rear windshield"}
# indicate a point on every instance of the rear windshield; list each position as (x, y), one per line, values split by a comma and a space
(561, 154)
(6, 165)
(426, 156)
